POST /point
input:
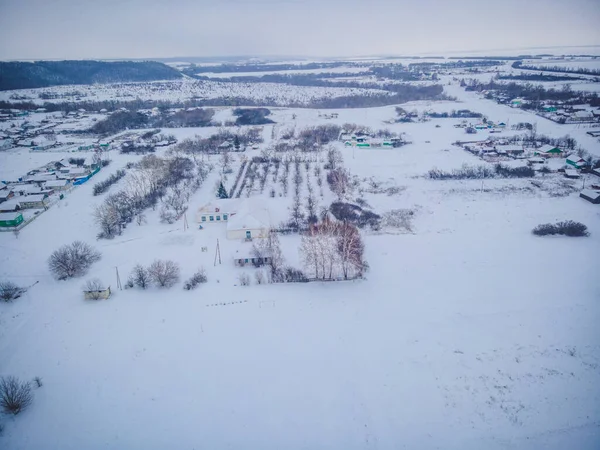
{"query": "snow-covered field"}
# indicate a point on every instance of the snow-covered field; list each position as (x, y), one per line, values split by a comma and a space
(341, 69)
(185, 90)
(468, 333)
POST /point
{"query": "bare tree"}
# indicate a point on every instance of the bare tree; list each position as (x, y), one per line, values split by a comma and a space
(9, 291)
(225, 162)
(107, 217)
(165, 273)
(72, 260)
(339, 182)
(94, 289)
(259, 276)
(334, 158)
(140, 276)
(350, 248)
(15, 395)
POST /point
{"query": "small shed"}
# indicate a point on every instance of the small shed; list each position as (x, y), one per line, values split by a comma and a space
(591, 196)
(12, 219)
(97, 294)
(571, 173)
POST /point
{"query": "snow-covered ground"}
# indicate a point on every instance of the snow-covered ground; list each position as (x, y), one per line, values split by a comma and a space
(341, 69)
(184, 90)
(468, 333)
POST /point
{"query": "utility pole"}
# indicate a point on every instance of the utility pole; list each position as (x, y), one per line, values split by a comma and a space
(217, 253)
(118, 279)
(185, 222)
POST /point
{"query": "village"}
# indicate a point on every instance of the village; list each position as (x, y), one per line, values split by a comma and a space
(391, 249)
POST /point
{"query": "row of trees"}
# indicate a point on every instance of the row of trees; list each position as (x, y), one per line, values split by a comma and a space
(103, 186)
(163, 273)
(169, 180)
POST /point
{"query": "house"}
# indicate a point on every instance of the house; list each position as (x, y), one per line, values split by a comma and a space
(571, 173)
(33, 201)
(6, 194)
(11, 205)
(591, 196)
(57, 185)
(583, 115)
(99, 294)
(251, 222)
(548, 151)
(218, 211)
(576, 162)
(512, 150)
(10, 219)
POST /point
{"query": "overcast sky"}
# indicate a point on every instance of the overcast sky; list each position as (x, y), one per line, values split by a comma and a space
(84, 29)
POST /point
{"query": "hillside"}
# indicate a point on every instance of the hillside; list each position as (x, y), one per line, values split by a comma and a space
(20, 75)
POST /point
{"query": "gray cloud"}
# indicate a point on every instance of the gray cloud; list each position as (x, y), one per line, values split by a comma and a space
(150, 28)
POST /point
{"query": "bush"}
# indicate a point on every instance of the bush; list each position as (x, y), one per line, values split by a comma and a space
(15, 395)
(196, 279)
(164, 273)
(292, 275)
(244, 279)
(259, 277)
(9, 291)
(72, 260)
(565, 228)
(103, 186)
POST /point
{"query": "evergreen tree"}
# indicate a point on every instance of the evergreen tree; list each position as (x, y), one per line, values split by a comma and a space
(222, 193)
(236, 143)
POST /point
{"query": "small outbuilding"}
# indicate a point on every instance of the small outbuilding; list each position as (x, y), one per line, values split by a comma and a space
(97, 294)
(591, 196)
(571, 173)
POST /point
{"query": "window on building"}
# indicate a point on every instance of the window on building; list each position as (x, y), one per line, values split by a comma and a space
(203, 218)
(224, 216)
(246, 260)
(211, 218)
(218, 218)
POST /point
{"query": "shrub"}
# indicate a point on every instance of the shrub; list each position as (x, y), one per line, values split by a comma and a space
(15, 395)
(291, 275)
(72, 260)
(565, 228)
(196, 279)
(9, 291)
(244, 279)
(259, 277)
(164, 273)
